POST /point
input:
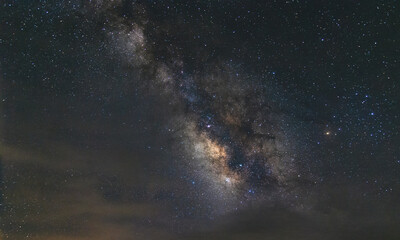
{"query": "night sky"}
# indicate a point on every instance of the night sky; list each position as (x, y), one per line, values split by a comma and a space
(203, 119)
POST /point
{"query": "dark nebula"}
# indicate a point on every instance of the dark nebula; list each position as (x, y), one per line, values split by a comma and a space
(199, 120)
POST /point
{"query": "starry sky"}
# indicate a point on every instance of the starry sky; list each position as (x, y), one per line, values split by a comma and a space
(223, 119)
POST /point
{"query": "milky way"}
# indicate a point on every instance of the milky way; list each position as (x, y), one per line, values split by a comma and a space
(234, 137)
